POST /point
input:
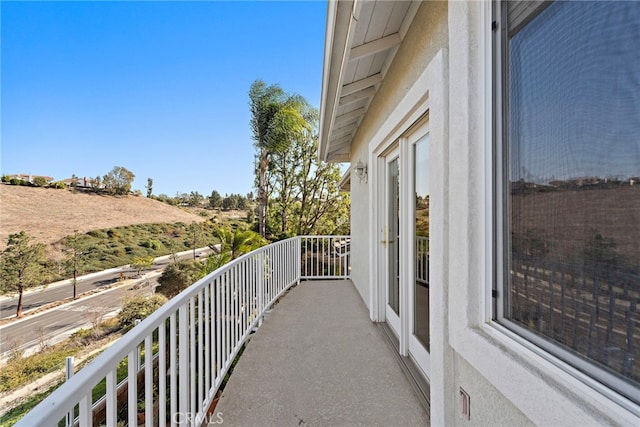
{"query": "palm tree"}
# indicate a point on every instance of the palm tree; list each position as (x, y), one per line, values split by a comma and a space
(265, 102)
(239, 241)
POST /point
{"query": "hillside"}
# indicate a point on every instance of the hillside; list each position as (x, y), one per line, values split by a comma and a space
(48, 215)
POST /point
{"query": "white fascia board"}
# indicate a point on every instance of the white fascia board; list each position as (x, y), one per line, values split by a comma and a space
(341, 20)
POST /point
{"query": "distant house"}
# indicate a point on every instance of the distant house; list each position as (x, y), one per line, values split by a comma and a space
(70, 182)
(31, 178)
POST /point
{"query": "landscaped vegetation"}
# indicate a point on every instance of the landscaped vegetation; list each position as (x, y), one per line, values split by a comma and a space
(20, 371)
(298, 195)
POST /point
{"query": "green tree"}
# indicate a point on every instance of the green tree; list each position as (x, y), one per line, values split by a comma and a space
(195, 199)
(178, 276)
(22, 266)
(194, 231)
(229, 202)
(118, 181)
(149, 187)
(242, 203)
(292, 128)
(214, 262)
(215, 200)
(141, 263)
(239, 241)
(96, 183)
(264, 103)
(40, 181)
(75, 260)
(166, 199)
(304, 197)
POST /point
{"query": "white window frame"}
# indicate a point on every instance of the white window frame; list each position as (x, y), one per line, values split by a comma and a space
(502, 250)
(562, 393)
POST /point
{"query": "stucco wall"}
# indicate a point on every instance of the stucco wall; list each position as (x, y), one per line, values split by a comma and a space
(488, 406)
(508, 383)
(360, 223)
(509, 380)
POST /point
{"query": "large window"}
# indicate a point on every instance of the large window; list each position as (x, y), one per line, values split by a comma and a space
(568, 183)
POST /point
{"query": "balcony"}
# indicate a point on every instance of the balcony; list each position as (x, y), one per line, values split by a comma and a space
(317, 359)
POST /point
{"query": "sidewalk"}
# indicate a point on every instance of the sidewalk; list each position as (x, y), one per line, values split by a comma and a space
(94, 274)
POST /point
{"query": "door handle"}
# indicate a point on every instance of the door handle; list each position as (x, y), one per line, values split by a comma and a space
(385, 238)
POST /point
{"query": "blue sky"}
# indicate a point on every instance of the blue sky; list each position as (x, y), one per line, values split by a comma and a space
(159, 88)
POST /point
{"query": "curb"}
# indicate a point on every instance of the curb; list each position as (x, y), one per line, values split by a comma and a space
(97, 273)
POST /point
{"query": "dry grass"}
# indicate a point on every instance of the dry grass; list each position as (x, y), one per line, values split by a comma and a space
(48, 215)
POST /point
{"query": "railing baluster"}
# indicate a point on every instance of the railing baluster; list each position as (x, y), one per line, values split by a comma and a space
(236, 301)
(223, 318)
(162, 371)
(207, 335)
(192, 357)
(218, 326)
(183, 360)
(112, 396)
(86, 415)
(243, 296)
(148, 381)
(260, 286)
(200, 370)
(132, 387)
(173, 370)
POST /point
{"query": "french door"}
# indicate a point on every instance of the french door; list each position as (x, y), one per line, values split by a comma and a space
(391, 239)
(404, 242)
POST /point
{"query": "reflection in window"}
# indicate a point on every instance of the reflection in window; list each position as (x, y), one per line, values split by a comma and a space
(572, 145)
(421, 283)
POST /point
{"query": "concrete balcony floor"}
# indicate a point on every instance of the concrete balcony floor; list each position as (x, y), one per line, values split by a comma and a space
(318, 360)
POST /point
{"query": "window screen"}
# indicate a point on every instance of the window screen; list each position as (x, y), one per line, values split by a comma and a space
(570, 122)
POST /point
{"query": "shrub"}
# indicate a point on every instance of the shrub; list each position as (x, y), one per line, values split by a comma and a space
(177, 277)
(6, 178)
(98, 234)
(139, 307)
(152, 244)
(39, 181)
(17, 181)
(20, 371)
(59, 185)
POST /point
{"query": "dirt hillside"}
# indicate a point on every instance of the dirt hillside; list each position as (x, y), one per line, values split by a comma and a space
(48, 215)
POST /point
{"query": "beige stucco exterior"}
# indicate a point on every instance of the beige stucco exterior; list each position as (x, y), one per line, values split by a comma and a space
(443, 66)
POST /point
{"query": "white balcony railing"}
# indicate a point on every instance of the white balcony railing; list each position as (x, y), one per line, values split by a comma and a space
(193, 340)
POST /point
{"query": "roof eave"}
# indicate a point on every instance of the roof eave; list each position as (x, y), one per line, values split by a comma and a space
(340, 22)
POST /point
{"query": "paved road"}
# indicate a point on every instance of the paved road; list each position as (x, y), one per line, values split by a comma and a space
(59, 322)
(61, 290)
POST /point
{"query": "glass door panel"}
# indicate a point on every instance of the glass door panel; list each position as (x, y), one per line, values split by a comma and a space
(390, 240)
(421, 243)
(393, 239)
